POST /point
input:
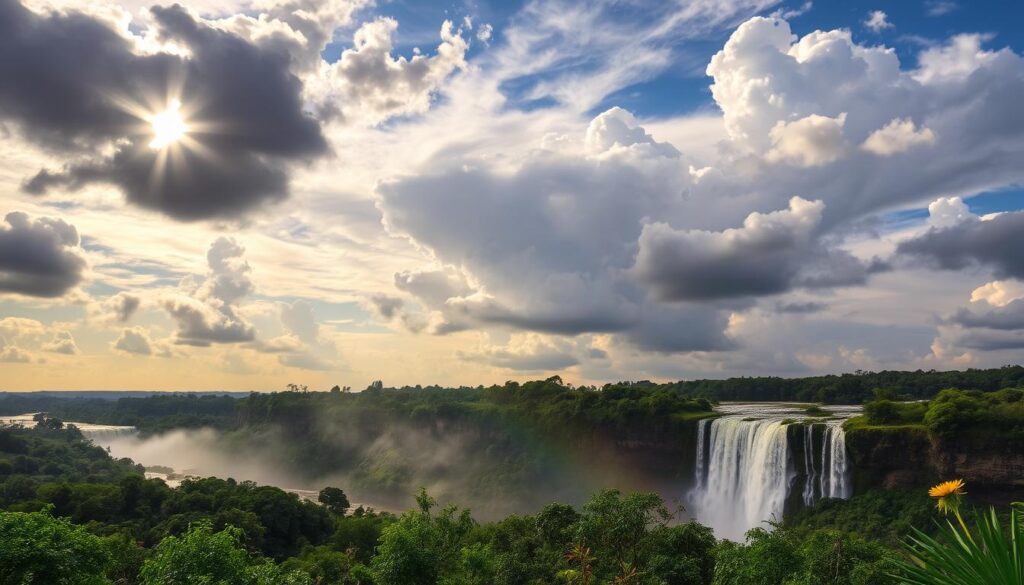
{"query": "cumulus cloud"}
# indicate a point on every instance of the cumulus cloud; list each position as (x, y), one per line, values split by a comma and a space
(525, 352)
(878, 21)
(772, 253)
(301, 27)
(897, 136)
(808, 142)
(242, 101)
(21, 337)
(387, 306)
(13, 355)
(998, 293)
(39, 257)
(299, 319)
(766, 80)
(205, 312)
(367, 85)
(946, 212)
(62, 342)
(530, 237)
(618, 128)
(229, 278)
(118, 308)
(432, 287)
(972, 241)
(134, 341)
(200, 324)
(13, 328)
(956, 60)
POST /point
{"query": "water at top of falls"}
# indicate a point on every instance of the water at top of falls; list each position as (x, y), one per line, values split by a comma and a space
(746, 468)
(88, 430)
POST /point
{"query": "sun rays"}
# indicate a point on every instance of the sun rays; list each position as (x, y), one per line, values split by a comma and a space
(169, 126)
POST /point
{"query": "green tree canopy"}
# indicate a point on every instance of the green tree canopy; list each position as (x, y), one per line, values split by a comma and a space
(37, 548)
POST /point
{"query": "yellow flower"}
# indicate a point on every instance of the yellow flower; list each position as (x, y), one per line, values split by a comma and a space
(948, 494)
(948, 488)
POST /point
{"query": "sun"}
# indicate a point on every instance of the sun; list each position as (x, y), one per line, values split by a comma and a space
(169, 126)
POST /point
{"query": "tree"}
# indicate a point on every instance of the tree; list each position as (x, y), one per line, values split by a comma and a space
(37, 548)
(215, 558)
(335, 500)
(423, 548)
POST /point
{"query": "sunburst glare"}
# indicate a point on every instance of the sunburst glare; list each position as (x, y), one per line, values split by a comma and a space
(169, 126)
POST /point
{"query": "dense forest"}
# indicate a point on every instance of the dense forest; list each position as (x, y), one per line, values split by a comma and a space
(562, 472)
(73, 515)
(190, 410)
(490, 447)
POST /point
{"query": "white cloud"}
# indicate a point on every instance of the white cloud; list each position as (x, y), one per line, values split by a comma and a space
(619, 129)
(956, 60)
(898, 135)
(939, 7)
(878, 21)
(947, 212)
(528, 352)
(367, 85)
(998, 293)
(134, 341)
(808, 142)
(62, 342)
(205, 311)
(485, 33)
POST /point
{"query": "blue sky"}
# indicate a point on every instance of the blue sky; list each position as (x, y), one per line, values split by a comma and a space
(481, 191)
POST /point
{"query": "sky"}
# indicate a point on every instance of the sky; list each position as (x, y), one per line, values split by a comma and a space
(241, 195)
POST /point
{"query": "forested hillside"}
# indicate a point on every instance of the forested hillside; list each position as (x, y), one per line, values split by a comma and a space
(89, 519)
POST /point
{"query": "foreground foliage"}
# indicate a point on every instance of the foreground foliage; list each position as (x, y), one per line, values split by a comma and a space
(964, 555)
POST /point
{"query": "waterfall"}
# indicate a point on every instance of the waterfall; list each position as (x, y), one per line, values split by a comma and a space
(745, 467)
(748, 475)
(810, 494)
(699, 467)
(833, 455)
(103, 433)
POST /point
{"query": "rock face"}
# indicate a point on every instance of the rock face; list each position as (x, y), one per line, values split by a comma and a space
(998, 468)
(910, 457)
(890, 457)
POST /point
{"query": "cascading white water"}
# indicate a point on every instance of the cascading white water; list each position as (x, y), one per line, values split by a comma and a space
(104, 433)
(833, 458)
(810, 495)
(745, 469)
(748, 474)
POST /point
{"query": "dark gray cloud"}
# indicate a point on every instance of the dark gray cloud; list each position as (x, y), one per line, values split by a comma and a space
(996, 243)
(770, 253)
(386, 305)
(122, 306)
(39, 257)
(681, 329)
(1007, 318)
(200, 325)
(72, 75)
(799, 308)
(991, 340)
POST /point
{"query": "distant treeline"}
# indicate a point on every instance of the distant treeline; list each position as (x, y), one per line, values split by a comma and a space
(154, 413)
(854, 388)
(606, 403)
